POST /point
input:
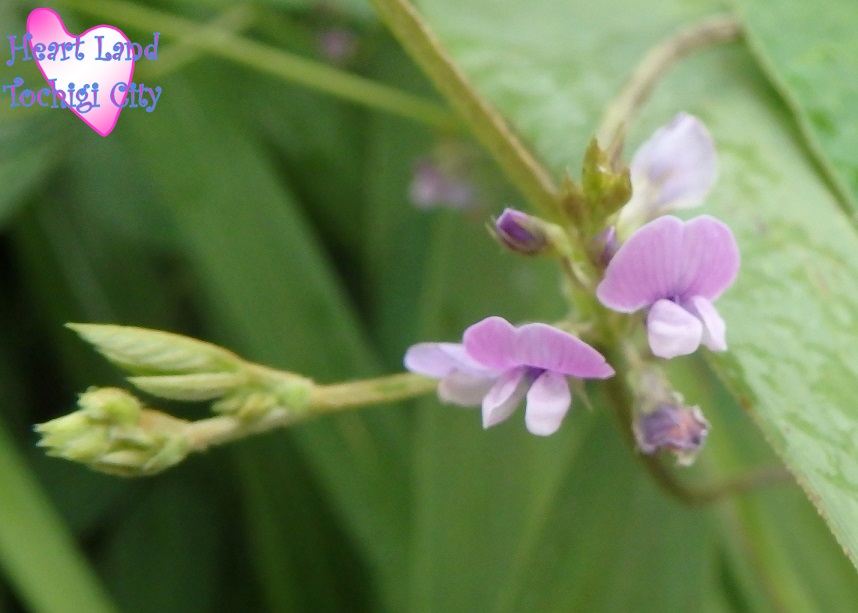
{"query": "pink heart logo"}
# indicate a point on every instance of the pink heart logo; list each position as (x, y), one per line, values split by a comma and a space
(71, 66)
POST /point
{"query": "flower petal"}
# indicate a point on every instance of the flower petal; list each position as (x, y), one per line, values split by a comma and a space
(671, 259)
(646, 268)
(710, 258)
(672, 330)
(504, 396)
(491, 343)
(548, 401)
(440, 359)
(464, 389)
(714, 328)
(546, 347)
(677, 166)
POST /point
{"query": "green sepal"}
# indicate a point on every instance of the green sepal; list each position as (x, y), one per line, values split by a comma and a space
(606, 188)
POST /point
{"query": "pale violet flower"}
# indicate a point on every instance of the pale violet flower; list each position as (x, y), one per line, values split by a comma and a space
(497, 365)
(676, 168)
(675, 269)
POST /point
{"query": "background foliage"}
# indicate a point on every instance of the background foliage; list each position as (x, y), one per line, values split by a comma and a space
(273, 219)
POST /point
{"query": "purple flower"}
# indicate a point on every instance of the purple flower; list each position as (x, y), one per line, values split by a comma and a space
(497, 365)
(339, 45)
(672, 427)
(676, 168)
(676, 269)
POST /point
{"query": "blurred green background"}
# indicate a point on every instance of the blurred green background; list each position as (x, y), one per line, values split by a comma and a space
(276, 221)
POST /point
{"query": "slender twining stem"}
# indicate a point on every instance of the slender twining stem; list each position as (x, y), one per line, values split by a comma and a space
(692, 495)
(312, 74)
(487, 125)
(235, 19)
(653, 67)
(714, 492)
(324, 399)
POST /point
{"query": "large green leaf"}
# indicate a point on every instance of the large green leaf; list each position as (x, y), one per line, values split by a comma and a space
(792, 360)
(812, 58)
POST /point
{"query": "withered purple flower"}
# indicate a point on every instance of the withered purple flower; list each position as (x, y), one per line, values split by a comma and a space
(497, 365)
(672, 427)
(675, 269)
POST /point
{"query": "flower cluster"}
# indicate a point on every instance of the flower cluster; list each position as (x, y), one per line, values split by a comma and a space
(671, 269)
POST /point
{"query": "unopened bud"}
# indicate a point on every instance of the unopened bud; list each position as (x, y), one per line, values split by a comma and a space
(112, 432)
(605, 245)
(272, 390)
(528, 235)
(110, 405)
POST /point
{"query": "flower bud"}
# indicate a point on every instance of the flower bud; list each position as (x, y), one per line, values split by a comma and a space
(520, 232)
(528, 235)
(672, 427)
(110, 405)
(112, 432)
(605, 245)
(272, 390)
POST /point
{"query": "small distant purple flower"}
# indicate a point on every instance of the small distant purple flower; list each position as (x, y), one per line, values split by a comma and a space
(497, 365)
(676, 269)
(676, 168)
(435, 185)
(672, 427)
(339, 45)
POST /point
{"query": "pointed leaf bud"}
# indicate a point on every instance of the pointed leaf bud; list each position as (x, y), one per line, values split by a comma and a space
(606, 189)
(191, 388)
(270, 389)
(147, 352)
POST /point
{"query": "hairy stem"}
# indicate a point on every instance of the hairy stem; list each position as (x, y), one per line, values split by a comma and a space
(495, 134)
(653, 67)
(314, 75)
(324, 399)
(692, 495)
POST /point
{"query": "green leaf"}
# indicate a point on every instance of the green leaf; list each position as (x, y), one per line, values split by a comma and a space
(811, 57)
(163, 554)
(792, 359)
(37, 552)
